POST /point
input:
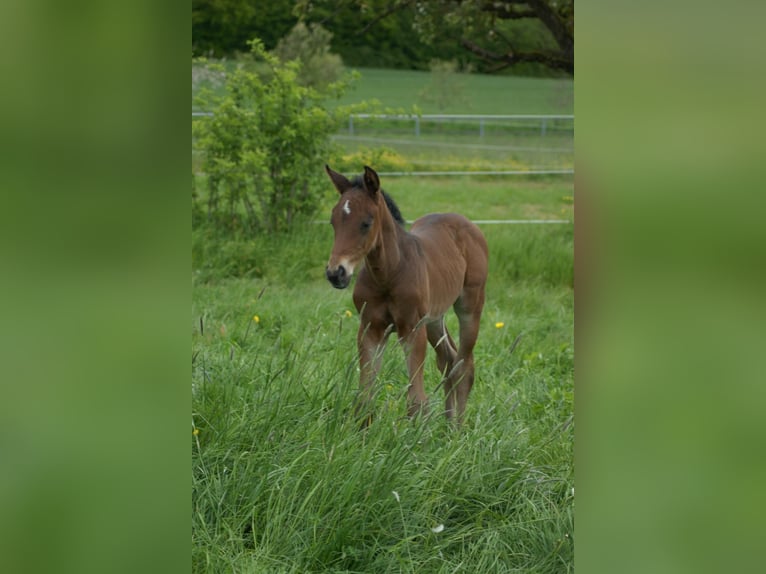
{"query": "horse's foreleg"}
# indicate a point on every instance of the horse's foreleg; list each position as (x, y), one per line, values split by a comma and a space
(444, 346)
(370, 342)
(415, 343)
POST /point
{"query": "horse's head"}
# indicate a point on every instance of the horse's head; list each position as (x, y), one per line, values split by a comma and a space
(356, 221)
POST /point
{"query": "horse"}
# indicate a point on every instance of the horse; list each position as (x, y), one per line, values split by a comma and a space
(408, 282)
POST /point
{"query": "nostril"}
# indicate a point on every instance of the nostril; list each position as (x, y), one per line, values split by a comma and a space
(338, 277)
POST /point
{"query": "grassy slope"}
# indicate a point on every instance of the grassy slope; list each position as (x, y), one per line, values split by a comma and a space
(485, 198)
(481, 94)
(283, 481)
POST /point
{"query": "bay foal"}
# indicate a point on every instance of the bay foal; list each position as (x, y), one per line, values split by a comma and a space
(408, 282)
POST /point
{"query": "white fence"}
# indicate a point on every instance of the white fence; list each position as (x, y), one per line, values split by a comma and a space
(543, 119)
(479, 172)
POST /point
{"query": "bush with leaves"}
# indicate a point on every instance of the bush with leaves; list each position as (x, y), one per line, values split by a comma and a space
(265, 145)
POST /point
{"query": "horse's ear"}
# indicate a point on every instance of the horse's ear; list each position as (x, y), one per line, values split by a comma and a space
(339, 181)
(371, 180)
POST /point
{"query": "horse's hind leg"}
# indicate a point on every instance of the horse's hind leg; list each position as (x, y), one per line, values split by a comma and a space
(468, 308)
(444, 346)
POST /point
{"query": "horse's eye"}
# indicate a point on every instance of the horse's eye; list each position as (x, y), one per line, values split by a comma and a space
(365, 225)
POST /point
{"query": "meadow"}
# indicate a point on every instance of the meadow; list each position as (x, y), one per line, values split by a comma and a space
(451, 145)
(473, 93)
(282, 478)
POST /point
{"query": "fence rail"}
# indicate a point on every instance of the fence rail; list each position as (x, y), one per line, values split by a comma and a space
(452, 116)
(417, 118)
(498, 172)
(482, 119)
(498, 221)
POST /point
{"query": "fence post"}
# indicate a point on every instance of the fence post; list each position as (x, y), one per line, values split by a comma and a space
(417, 126)
(481, 128)
(542, 127)
(350, 124)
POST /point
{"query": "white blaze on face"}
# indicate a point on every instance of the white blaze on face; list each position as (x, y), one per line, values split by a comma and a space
(348, 265)
(346, 208)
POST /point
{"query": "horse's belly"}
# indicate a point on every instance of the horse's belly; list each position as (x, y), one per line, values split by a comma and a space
(441, 302)
(445, 284)
(445, 266)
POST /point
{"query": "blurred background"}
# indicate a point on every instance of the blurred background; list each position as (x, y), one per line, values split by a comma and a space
(669, 270)
(460, 107)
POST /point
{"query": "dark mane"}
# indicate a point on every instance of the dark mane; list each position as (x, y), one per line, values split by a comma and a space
(357, 181)
(393, 208)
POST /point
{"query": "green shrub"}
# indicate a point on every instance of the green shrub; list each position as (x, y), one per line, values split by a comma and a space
(311, 46)
(264, 146)
(383, 158)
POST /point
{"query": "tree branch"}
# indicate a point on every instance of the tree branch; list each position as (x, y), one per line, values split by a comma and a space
(554, 23)
(504, 10)
(385, 14)
(550, 59)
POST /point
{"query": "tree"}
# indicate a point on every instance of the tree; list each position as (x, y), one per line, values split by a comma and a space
(311, 46)
(500, 33)
(223, 27)
(493, 18)
(444, 89)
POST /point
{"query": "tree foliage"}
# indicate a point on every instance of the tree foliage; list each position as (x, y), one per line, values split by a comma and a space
(508, 33)
(529, 36)
(311, 46)
(264, 146)
(364, 40)
(224, 27)
(500, 34)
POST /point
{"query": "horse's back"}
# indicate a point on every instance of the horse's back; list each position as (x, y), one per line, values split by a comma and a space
(453, 228)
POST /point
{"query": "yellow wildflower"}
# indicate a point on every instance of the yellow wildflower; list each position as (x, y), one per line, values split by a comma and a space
(499, 325)
(195, 432)
(256, 318)
(347, 313)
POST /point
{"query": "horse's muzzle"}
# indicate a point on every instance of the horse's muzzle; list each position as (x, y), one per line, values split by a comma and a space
(338, 277)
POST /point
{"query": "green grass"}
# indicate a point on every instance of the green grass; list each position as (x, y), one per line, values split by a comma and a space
(480, 93)
(282, 479)
(479, 197)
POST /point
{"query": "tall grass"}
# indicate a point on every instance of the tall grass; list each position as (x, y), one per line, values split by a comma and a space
(283, 480)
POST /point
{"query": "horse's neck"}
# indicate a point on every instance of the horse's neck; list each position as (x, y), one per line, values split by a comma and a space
(385, 257)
